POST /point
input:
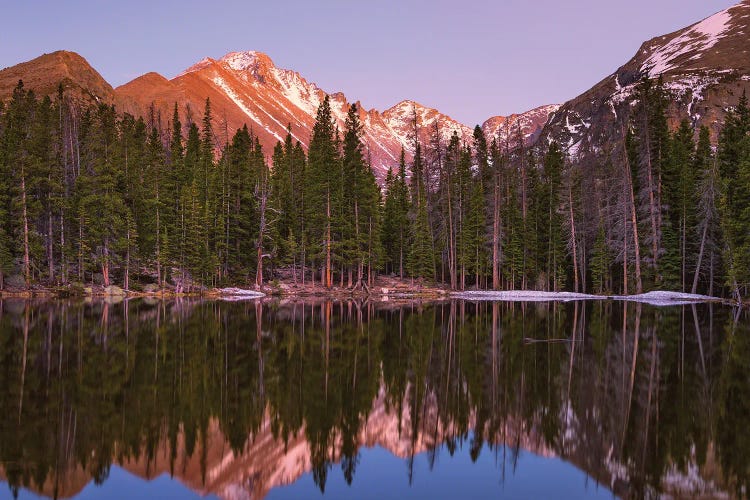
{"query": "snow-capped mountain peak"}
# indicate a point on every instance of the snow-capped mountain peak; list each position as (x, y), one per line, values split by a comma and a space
(250, 64)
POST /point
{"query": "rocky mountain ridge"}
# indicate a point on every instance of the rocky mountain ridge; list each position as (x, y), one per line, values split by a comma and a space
(248, 88)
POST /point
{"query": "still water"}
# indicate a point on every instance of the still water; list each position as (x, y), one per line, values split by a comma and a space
(344, 399)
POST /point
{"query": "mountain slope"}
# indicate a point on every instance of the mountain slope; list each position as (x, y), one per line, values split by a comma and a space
(705, 67)
(45, 73)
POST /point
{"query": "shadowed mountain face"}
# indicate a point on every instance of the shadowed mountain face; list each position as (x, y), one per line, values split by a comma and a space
(705, 68)
(237, 399)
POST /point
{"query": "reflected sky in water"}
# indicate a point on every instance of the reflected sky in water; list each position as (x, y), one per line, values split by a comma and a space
(525, 475)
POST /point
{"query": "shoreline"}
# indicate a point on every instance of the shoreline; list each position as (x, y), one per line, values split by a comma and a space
(398, 290)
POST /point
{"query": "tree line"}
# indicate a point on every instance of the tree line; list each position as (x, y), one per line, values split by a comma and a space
(88, 194)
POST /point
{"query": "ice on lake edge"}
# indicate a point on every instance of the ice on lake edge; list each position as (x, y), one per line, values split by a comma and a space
(657, 298)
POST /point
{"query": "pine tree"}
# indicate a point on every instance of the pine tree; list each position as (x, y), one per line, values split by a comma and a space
(288, 199)
(103, 213)
(321, 191)
(396, 209)
(213, 228)
(708, 231)
(420, 260)
(652, 142)
(551, 186)
(178, 183)
(734, 168)
(679, 181)
(6, 255)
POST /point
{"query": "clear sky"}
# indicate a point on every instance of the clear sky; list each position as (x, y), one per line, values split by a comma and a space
(470, 59)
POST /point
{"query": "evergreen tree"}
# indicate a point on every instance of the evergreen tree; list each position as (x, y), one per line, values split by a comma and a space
(679, 181)
(420, 261)
(734, 168)
(652, 146)
(288, 199)
(361, 200)
(102, 211)
(708, 231)
(395, 234)
(321, 191)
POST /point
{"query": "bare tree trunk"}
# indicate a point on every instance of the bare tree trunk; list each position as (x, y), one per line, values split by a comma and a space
(105, 263)
(625, 260)
(573, 237)
(401, 254)
(652, 204)
(451, 241)
(158, 239)
(327, 272)
(634, 223)
(127, 262)
(50, 245)
(700, 259)
(496, 239)
(63, 256)
(261, 233)
(80, 248)
(26, 258)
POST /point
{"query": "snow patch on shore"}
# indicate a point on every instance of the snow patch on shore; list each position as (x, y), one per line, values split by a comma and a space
(524, 296)
(656, 298)
(235, 294)
(664, 298)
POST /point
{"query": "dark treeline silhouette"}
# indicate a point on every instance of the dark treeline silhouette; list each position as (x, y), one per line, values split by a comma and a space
(88, 195)
(634, 394)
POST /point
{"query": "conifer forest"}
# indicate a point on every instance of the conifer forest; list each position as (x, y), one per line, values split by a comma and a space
(92, 195)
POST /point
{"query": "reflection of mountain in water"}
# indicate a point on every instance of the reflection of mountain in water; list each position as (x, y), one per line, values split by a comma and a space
(236, 399)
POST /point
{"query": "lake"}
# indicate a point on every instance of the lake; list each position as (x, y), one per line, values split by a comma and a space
(280, 399)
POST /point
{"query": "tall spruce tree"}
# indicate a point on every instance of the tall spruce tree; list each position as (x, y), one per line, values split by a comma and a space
(734, 168)
(395, 236)
(322, 192)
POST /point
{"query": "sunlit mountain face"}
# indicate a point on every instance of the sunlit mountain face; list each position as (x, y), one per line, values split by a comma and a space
(355, 399)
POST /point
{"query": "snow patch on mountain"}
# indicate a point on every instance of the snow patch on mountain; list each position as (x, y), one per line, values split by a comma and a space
(697, 39)
(229, 91)
(241, 61)
(400, 119)
(505, 129)
(693, 87)
(302, 94)
(203, 63)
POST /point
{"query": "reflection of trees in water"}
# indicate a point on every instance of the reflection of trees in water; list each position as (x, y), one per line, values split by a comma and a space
(624, 391)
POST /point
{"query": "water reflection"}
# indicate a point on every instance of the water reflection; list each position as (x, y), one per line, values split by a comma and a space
(238, 398)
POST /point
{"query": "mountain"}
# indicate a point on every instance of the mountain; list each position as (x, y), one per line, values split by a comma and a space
(705, 67)
(248, 88)
(531, 124)
(45, 73)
